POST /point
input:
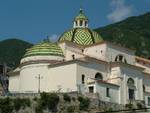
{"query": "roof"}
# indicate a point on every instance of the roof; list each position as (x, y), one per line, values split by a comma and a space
(44, 49)
(142, 59)
(81, 36)
(110, 43)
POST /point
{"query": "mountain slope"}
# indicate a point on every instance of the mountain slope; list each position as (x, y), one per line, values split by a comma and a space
(12, 50)
(134, 33)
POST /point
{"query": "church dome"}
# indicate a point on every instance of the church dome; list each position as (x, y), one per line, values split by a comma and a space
(44, 51)
(80, 33)
(82, 36)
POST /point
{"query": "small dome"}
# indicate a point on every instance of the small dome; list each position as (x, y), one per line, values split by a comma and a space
(44, 52)
(80, 16)
(82, 36)
(44, 49)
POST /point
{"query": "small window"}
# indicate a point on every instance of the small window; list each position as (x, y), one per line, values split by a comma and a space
(76, 23)
(81, 22)
(107, 92)
(91, 89)
(148, 99)
(85, 23)
(83, 79)
(73, 57)
(143, 88)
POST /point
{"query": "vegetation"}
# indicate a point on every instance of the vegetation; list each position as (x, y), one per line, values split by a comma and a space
(47, 101)
(84, 103)
(12, 50)
(134, 33)
(8, 105)
(66, 97)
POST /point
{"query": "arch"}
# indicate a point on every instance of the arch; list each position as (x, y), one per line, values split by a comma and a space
(120, 58)
(130, 82)
(98, 76)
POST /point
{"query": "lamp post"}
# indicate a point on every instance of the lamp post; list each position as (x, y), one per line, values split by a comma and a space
(39, 77)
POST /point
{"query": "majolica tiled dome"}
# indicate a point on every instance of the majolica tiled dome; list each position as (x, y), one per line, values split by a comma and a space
(82, 36)
(44, 49)
(80, 33)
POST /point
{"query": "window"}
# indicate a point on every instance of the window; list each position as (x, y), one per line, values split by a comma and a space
(98, 76)
(130, 82)
(86, 23)
(148, 99)
(120, 58)
(143, 88)
(131, 94)
(73, 57)
(107, 92)
(91, 89)
(76, 23)
(81, 22)
(83, 79)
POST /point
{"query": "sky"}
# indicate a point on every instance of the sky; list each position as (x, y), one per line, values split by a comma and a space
(35, 20)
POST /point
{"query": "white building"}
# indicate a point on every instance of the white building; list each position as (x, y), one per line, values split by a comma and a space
(81, 61)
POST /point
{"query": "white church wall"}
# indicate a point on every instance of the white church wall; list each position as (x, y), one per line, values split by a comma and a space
(14, 83)
(29, 82)
(89, 70)
(113, 51)
(101, 88)
(97, 51)
(61, 78)
(114, 76)
(136, 75)
(146, 82)
(70, 51)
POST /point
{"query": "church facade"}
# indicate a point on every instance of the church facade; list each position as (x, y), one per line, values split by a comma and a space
(83, 62)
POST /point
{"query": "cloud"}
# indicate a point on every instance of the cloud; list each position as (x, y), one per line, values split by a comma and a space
(53, 37)
(120, 10)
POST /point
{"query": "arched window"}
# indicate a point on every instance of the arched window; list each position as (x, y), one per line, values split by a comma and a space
(130, 82)
(120, 58)
(131, 89)
(98, 76)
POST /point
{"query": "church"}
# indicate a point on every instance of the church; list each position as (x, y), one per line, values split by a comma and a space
(81, 61)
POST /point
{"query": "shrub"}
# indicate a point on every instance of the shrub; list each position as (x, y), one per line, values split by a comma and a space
(129, 106)
(52, 101)
(66, 97)
(70, 109)
(6, 105)
(84, 103)
(139, 105)
(49, 101)
(74, 99)
(21, 102)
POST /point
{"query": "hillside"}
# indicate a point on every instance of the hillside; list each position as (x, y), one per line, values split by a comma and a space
(134, 33)
(12, 50)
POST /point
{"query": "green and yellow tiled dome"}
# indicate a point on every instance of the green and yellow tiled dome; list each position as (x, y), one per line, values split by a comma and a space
(82, 36)
(44, 49)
